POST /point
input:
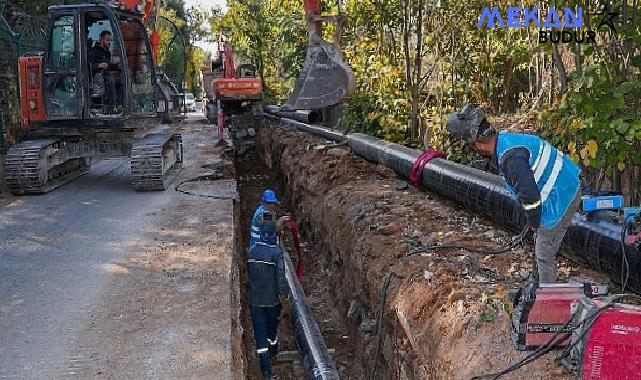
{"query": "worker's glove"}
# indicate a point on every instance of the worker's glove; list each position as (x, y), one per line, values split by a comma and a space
(286, 305)
(282, 221)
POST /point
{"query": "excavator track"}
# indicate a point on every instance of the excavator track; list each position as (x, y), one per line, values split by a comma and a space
(156, 160)
(39, 166)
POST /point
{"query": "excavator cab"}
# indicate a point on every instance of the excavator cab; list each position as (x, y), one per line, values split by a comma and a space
(325, 80)
(73, 88)
(74, 109)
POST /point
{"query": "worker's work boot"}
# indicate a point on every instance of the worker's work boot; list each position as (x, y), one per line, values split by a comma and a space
(273, 350)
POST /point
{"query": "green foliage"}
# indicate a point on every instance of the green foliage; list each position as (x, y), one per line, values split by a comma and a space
(598, 119)
(270, 34)
(595, 121)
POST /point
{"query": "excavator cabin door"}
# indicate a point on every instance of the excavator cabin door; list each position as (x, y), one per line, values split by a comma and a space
(131, 65)
(62, 79)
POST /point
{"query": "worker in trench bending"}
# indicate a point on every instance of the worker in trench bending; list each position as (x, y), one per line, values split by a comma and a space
(545, 181)
(269, 202)
(267, 289)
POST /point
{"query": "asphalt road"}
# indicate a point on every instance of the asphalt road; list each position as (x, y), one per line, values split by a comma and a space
(76, 266)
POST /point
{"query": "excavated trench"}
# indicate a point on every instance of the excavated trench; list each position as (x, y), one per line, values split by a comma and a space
(445, 314)
(254, 176)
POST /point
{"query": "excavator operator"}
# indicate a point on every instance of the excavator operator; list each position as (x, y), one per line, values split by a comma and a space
(100, 58)
(544, 180)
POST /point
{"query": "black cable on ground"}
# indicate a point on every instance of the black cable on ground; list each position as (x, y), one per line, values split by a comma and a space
(517, 241)
(381, 309)
(379, 325)
(207, 177)
(540, 351)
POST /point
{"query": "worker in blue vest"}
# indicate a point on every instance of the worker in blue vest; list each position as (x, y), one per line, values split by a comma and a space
(544, 180)
(267, 289)
(268, 202)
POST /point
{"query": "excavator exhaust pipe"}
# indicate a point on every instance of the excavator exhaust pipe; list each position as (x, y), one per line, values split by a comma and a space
(325, 79)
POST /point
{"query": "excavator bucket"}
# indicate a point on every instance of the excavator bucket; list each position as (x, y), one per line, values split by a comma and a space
(325, 79)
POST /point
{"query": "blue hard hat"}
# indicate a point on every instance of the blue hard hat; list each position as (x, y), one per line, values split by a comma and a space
(269, 196)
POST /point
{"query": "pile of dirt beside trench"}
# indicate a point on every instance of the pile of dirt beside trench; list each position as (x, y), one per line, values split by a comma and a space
(364, 227)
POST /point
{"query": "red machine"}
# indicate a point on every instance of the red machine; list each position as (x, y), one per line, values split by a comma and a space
(66, 116)
(607, 346)
(232, 88)
(542, 310)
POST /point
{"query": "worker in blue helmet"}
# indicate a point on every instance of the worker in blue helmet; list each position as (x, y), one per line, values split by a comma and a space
(267, 289)
(269, 204)
(544, 180)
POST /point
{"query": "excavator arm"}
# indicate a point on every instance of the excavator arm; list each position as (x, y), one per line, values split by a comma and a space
(148, 8)
(325, 79)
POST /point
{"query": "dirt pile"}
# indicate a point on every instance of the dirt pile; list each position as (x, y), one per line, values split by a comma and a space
(446, 313)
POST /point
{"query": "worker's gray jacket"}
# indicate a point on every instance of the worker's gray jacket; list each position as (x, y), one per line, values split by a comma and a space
(266, 269)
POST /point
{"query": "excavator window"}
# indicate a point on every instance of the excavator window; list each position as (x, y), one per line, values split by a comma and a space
(62, 90)
(246, 71)
(139, 65)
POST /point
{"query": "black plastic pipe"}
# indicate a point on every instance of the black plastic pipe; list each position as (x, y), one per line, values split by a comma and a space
(303, 116)
(313, 129)
(317, 362)
(597, 243)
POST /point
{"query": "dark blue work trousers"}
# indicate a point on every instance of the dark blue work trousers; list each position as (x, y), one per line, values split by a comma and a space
(265, 322)
(113, 89)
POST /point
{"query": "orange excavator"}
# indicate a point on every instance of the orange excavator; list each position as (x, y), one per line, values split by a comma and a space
(65, 118)
(231, 88)
(325, 80)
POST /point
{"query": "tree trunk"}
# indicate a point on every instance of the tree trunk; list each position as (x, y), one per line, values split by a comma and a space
(508, 77)
(577, 59)
(560, 67)
(417, 73)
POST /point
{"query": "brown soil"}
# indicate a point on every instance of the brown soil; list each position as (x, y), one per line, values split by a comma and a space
(359, 229)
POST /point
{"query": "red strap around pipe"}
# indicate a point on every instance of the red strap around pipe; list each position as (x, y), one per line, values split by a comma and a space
(419, 164)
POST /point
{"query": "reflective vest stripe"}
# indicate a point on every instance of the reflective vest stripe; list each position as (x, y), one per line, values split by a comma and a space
(539, 167)
(556, 176)
(272, 342)
(259, 262)
(262, 350)
(532, 206)
(265, 244)
(558, 165)
(538, 157)
(255, 228)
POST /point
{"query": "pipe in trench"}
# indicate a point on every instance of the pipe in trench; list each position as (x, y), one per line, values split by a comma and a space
(596, 242)
(303, 116)
(317, 362)
(313, 129)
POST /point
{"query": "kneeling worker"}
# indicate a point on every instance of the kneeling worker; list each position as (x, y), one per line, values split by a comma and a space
(267, 289)
(545, 181)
